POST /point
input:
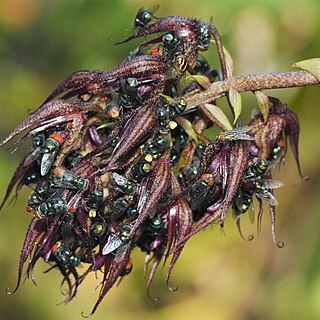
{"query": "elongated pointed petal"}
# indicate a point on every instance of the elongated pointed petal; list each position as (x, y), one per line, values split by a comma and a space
(156, 261)
(135, 132)
(36, 228)
(113, 273)
(21, 172)
(237, 163)
(75, 81)
(156, 184)
(291, 127)
(272, 211)
(49, 111)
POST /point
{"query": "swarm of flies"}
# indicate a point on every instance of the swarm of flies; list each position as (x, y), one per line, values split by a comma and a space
(118, 161)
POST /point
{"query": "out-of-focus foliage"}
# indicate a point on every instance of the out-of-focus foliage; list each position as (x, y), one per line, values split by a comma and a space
(219, 276)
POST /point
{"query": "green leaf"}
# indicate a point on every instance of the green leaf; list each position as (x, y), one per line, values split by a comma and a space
(168, 98)
(219, 115)
(187, 127)
(202, 80)
(236, 103)
(263, 103)
(229, 63)
(310, 65)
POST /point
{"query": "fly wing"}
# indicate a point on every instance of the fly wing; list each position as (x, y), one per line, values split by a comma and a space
(238, 134)
(119, 180)
(113, 243)
(46, 163)
(272, 184)
(269, 197)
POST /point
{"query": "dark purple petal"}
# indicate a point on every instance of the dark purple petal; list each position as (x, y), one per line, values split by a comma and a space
(136, 130)
(154, 186)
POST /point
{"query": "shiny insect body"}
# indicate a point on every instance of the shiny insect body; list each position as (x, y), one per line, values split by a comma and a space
(95, 200)
(67, 226)
(37, 197)
(172, 45)
(155, 226)
(192, 172)
(123, 185)
(203, 67)
(99, 229)
(180, 63)
(140, 170)
(49, 151)
(127, 268)
(156, 147)
(115, 241)
(257, 169)
(163, 115)
(37, 141)
(144, 17)
(253, 183)
(51, 207)
(263, 190)
(201, 187)
(188, 175)
(66, 179)
(243, 201)
(178, 107)
(132, 214)
(121, 205)
(65, 256)
(128, 95)
(166, 112)
(181, 141)
(278, 152)
(32, 179)
(204, 36)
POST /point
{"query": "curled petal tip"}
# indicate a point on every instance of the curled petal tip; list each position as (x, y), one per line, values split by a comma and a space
(172, 289)
(8, 291)
(280, 244)
(83, 315)
(151, 298)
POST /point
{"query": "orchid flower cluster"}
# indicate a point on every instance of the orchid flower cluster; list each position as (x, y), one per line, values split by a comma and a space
(121, 158)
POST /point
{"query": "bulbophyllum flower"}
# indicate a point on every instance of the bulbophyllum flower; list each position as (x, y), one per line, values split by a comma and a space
(122, 160)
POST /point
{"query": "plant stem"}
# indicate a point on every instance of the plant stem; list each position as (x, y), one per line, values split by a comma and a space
(259, 81)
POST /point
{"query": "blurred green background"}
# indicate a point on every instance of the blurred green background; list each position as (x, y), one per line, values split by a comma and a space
(220, 276)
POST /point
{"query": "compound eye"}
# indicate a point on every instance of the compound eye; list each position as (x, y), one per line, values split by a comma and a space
(147, 16)
(167, 38)
(132, 82)
(99, 229)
